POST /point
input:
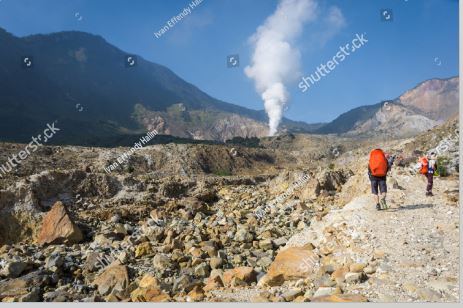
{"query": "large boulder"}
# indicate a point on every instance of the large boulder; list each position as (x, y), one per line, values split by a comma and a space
(13, 269)
(58, 227)
(27, 288)
(291, 264)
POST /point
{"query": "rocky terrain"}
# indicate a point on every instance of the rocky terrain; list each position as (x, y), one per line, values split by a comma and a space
(291, 220)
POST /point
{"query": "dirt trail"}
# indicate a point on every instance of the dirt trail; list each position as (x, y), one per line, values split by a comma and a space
(420, 237)
(415, 242)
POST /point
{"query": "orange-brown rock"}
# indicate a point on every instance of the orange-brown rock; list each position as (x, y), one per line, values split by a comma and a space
(341, 298)
(58, 228)
(339, 275)
(262, 297)
(196, 294)
(290, 264)
(214, 282)
(114, 278)
(148, 281)
(149, 291)
(357, 267)
(245, 274)
(143, 249)
(149, 295)
(378, 254)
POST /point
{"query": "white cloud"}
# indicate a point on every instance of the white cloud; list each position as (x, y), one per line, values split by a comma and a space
(332, 24)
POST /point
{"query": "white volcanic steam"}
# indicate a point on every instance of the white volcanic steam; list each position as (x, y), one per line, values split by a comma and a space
(275, 61)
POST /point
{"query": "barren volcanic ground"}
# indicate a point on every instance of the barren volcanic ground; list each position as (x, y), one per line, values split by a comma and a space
(290, 220)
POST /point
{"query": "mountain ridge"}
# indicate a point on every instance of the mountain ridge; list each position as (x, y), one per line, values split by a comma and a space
(82, 71)
(387, 114)
(81, 68)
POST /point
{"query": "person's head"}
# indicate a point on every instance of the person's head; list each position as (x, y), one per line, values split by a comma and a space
(432, 155)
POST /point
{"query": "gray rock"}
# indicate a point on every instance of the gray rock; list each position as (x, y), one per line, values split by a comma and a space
(13, 269)
(56, 296)
(243, 235)
(32, 296)
(202, 270)
(237, 259)
(222, 254)
(290, 295)
(308, 294)
(54, 262)
(369, 270)
(184, 283)
(161, 262)
(280, 241)
(216, 263)
(264, 262)
(429, 295)
(325, 291)
(123, 257)
(115, 219)
(266, 244)
(93, 262)
(354, 277)
(20, 287)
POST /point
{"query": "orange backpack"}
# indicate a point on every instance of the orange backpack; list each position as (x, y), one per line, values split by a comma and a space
(378, 163)
(424, 165)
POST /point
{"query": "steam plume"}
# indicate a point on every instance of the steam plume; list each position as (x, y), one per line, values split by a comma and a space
(275, 60)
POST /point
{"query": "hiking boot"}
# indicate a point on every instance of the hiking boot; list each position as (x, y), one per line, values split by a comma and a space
(378, 207)
(383, 204)
(429, 194)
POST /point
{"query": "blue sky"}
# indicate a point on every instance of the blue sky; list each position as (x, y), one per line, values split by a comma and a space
(398, 55)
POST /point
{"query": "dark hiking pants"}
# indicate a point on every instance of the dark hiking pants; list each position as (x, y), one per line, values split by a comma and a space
(430, 180)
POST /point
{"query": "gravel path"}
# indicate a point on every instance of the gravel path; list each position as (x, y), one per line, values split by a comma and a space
(420, 238)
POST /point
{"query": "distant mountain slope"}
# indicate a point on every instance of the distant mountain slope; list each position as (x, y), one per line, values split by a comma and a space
(430, 103)
(71, 68)
(347, 120)
(75, 71)
(437, 99)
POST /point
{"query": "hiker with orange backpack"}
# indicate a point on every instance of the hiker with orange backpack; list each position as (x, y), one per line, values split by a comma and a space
(428, 166)
(378, 167)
